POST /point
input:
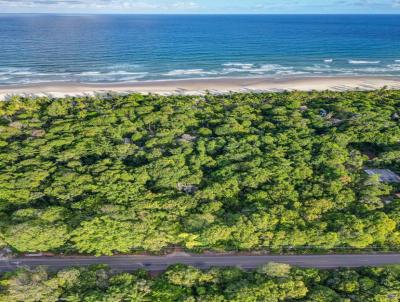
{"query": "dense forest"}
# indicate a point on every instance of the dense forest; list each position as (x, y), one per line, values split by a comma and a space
(267, 171)
(272, 282)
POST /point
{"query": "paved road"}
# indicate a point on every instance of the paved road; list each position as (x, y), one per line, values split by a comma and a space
(153, 263)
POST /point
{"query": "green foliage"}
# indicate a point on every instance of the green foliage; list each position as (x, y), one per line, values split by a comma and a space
(273, 269)
(182, 283)
(224, 172)
(33, 286)
(186, 276)
(35, 236)
(103, 236)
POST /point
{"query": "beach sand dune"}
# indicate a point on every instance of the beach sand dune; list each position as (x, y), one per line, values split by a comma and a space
(201, 86)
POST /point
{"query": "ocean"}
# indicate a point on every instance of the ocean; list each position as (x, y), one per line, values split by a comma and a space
(128, 48)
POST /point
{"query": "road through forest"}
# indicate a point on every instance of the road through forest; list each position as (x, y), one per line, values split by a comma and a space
(160, 263)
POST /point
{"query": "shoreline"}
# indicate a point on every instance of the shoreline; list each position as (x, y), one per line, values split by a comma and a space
(201, 86)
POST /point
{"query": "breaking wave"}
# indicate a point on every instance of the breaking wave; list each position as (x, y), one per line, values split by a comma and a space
(134, 73)
(240, 65)
(181, 72)
(363, 62)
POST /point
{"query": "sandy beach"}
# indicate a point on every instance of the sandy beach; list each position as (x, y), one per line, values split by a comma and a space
(201, 86)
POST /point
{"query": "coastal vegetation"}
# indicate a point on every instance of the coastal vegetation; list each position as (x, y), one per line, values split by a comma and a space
(273, 282)
(265, 171)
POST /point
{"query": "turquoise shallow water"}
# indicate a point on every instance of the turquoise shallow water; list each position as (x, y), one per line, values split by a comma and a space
(125, 48)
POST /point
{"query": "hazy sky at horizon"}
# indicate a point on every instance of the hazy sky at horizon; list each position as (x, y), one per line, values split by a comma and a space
(200, 6)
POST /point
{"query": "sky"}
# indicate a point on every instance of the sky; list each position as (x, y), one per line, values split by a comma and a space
(201, 6)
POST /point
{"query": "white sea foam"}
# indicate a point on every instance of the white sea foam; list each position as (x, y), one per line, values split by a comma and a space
(89, 73)
(37, 81)
(123, 66)
(14, 71)
(128, 79)
(232, 70)
(373, 70)
(127, 73)
(394, 67)
(323, 68)
(318, 67)
(23, 73)
(110, 74)
(181, 72)
(240, 65)
(259, 70)
(291, 73)
(121, 72)
(52, 74)
(363, 62)
(132, 73)
(272, 67)
(13, 75)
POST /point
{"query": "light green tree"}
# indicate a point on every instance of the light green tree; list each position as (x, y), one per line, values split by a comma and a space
(103, 236)
(35, 236)
(274, 269)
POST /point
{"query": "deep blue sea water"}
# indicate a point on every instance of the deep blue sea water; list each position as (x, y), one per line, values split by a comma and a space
(118, 48)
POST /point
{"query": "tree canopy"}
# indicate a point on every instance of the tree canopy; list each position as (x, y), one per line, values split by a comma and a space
(182, 283)
(275, 171)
